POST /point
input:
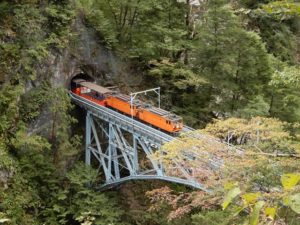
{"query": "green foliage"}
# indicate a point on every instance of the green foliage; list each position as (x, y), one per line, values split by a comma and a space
(37, 185)
(253, 3)
(95, 17)
(30, 33)
(283, 9)
(230, 196)
(260, 177)
(233, 60)
(265, 134)
(80, 202)
(182, 89)
(279, 37)
(256, 107)
(176, 76)
(9, 110)
(217, 217)
(64, 147)
(128, 26)
(255, 214)
(284, 93)
(293, 201)
(30, 184)
(278, 24)
(33, 101)
(255, 204)
(265, 182)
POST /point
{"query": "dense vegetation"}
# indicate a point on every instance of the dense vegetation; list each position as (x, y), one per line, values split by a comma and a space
(229, 67)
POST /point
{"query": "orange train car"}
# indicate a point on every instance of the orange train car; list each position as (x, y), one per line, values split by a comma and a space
(121, 103)
(155, 116)
(142, 111)
(91, 91)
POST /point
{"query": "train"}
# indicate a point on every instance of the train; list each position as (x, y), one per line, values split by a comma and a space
(139, 110)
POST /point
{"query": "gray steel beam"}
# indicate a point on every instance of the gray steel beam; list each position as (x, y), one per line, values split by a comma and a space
(177, 180)
(88, 139)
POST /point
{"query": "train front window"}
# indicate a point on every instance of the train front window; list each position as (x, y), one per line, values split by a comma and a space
(178, 121)
(97, 95)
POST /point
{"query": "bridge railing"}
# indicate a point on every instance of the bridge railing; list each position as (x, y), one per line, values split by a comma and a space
(126, 123)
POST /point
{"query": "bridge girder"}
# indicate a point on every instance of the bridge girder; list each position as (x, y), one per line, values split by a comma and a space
(121, 153)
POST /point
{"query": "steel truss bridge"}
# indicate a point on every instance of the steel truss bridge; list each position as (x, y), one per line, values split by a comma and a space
(124, 148)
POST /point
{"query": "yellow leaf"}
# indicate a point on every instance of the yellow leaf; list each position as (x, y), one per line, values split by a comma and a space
(293, 202)
(230, 196)
(286, 201)
(290, 180)
(250, 198)
(230, 185)
(270, 212)
(254, 218)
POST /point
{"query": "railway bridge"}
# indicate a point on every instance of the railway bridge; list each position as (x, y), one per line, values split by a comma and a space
(123, 148)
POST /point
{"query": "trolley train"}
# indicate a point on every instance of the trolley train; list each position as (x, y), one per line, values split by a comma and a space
(140, 110)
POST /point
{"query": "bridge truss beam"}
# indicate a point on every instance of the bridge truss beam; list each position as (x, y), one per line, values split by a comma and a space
(125, 155)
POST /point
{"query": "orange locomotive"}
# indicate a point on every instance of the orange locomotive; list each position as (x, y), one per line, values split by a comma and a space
(157, 117)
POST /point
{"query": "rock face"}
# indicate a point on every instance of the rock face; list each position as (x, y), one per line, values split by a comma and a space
(87, 55)
(5, 175)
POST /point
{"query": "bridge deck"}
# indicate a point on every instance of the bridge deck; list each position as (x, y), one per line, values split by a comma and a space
(126, 123)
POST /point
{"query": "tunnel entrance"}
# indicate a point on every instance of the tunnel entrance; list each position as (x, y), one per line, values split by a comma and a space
(83, 76)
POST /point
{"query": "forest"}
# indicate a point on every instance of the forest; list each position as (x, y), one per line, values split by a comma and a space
(231, 69)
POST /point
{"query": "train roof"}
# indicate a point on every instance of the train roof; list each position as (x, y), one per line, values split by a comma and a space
(164, 113)
(93, 86)
(126, 98)
(161, 112)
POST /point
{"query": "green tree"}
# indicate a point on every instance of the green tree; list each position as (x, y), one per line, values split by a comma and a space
(139, 29)
(277, 23)
(78, 201)
(181, 88)
(284, 93)
(233, 60)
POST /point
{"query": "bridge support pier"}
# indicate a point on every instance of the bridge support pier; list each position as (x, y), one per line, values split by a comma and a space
(88, 140)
